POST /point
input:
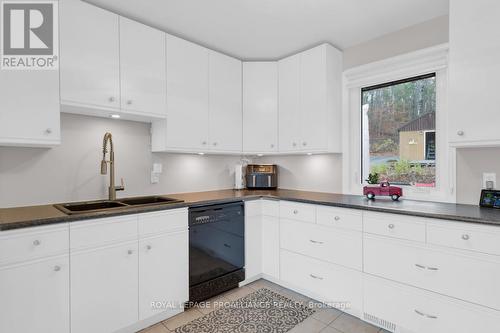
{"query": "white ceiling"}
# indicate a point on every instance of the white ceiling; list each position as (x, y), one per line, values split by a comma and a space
(271, 29)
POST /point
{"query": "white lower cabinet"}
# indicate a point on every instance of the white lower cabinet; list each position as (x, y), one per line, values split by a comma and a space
(400, 308)
(34, 296)
(104, 288)
(163, 274)
(270, 246)
(335, 285)
(449, 272)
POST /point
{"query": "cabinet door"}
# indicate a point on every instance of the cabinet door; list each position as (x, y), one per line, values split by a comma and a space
(30, 108)
(225, 103)
(473, 73)
(143, 81)
(271, 246)
(35, 297)
(253, 246)
(104, 289)
(90, 71)
(187, 95)
(260, 107)
(313, 99)
(289, 103)
(163, 273)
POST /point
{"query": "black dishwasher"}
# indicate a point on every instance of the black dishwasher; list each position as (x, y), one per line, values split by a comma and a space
(216, 249)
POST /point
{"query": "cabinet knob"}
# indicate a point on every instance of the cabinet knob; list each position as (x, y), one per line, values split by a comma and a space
(391, 226)
(149, 247)
(272, 145)
(465, 237)
(294, 144)
(460, 133)
(295, 211)
(57, 268)
(204, 143)
(304, 143)
(48, 131)
(129, 102)
(36, 242)
(215, 143)
(336, 218)
(130, 252)
(111, 99)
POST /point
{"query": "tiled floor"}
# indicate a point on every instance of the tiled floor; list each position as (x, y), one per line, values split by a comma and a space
(325, 320)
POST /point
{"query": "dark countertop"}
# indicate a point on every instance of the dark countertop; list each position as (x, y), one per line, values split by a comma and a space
(22, 217)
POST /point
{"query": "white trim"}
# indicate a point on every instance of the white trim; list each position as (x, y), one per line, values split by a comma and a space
(434, 59)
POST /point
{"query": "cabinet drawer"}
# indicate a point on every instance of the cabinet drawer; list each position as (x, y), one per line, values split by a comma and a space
(341, 247)
(298, 211)
(339, 286)
(97, 232)
(340, 217)
(484, 239)
(406, 309)
(451, 273)
(33, 243)
(397, 226)
(158, 222)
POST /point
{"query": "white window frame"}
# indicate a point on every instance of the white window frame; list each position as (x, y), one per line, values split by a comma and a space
(425, 61)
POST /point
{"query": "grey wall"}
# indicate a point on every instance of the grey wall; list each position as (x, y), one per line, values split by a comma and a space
(71, 171)
(322, 173)
(471, 163)
(423, 35)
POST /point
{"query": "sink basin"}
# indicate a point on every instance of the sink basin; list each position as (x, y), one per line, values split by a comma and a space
(107, 205)
(153, 200)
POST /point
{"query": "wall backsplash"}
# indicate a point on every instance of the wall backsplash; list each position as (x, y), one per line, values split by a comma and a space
(70, 172)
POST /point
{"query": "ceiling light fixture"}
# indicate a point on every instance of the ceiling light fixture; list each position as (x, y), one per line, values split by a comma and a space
(260, 155)
(115, 116)
(201, 153)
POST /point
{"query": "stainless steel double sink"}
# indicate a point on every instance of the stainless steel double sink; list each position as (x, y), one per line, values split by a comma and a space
(112, 205)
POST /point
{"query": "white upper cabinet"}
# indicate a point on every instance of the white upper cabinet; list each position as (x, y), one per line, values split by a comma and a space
(260, 107)
(474, 69)
(90, 70)
(310, 101)
(142, 69)
(225, 113)
(289, 103)
(187, 95)
(29, 114)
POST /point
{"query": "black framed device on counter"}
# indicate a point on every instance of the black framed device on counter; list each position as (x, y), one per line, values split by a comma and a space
(490, 198)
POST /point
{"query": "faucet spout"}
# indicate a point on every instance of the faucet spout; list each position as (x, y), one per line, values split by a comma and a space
(104, 170)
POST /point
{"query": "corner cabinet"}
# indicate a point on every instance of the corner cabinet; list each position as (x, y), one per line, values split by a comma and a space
(310, 101)
(260, 107)
(474, 113)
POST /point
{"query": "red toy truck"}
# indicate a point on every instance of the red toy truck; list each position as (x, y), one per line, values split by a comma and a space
(384, 189)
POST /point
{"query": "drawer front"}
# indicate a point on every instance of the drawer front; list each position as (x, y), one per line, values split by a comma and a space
(98, 232)
(165, 221)
(412, 310)
(33, 243)
(461, 236)
(340, 247)
(323, 281)
(340, 217)
(397, 226)
(469, 278)
(271, 208)
(298, 211)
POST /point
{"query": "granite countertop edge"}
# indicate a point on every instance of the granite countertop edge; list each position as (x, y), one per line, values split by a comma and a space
(247, 196)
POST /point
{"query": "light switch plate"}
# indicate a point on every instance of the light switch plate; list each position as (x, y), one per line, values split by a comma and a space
(489, 177)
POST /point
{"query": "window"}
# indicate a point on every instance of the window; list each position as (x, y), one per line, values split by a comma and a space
(398, 123)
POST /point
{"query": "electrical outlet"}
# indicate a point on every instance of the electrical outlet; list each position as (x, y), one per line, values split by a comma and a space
(489, 180)
(155, 178)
